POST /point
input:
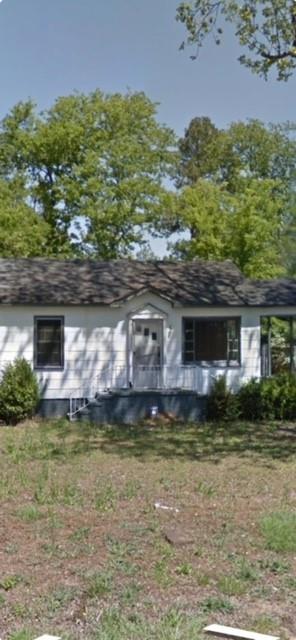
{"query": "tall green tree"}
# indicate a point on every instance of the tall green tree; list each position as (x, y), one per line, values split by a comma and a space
(93, 168)
(23, 233)
(243, 227)
(265, 28)
(245, 151)
(248, 149)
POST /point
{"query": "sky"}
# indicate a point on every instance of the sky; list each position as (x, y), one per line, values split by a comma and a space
(49, 48)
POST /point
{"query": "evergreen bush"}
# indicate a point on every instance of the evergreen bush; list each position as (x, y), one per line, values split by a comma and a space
(222, 403)
(19, 392)
(269, 398)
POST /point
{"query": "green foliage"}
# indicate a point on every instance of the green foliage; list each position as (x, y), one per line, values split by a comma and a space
(257, 400)
(99, 584)
(239, 203)
(269, 398)
(249, 149)
(266, 28)
(19, 392)
(279, 531)
(231, 586)
(202, 152)
(93, 166)
(10, 582)
(222, 403)
(23, 232)
(213, 604)
(243, 227)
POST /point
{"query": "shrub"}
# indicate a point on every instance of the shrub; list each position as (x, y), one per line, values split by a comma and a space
(269, 398)
(222, 403)
(286, 401)
(19, 392)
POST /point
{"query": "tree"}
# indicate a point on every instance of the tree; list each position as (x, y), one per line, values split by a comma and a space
(202, 152)
(23, 232)
(249, 149)
(92, 166)
(246, 150)
(244, 227)
(266, 28)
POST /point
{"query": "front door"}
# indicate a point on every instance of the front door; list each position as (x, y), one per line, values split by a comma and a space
(147, 353)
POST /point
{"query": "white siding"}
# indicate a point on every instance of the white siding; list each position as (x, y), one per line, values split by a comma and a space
(98, 337)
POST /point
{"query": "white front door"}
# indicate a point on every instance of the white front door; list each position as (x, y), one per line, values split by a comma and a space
(147, 353)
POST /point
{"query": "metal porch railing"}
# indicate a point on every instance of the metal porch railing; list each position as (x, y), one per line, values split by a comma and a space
(140, 378)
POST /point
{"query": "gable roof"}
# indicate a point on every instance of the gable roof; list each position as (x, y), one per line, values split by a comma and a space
(86, 282)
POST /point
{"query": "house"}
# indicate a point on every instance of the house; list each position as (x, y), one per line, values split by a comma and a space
(124, 338)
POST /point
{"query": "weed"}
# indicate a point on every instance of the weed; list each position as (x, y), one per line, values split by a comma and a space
(59, 599)
(203, 579)
(29, 513)
(231, 586)
(20, 610)
(21, 635)
(117, 548)
(173, 625)
(105, 497)
(161, 573)
(213, 604)
(279, 531)
(99, 584)
(246, 570)
(10, 582)
(130, 594)
(205, 489)
(164, 549)
(263, 624)
(80, 534)
(51, 549)
(130, 489)
(274, 566)
(184, 569)
(291, 582)
(70, 494)
(2, 600)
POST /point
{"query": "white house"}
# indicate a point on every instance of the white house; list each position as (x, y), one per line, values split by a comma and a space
(92, 328)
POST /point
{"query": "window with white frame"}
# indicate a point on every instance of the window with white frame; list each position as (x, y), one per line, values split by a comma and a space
(211, 340)
(49, 342)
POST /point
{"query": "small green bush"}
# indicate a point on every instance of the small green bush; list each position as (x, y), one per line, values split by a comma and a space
(222, 403)
(19, 392)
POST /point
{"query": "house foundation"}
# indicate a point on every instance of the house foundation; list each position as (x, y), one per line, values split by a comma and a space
(131, 406)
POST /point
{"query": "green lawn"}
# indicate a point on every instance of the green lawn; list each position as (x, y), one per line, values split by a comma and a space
(85, 552)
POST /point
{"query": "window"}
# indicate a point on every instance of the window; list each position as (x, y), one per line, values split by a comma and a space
(211, 340)
(49, 342)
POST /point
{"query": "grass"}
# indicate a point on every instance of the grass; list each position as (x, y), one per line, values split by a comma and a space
(85, 551)
(279, 531)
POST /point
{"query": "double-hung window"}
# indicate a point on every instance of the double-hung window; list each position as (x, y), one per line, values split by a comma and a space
(211, 340)
(49, 342)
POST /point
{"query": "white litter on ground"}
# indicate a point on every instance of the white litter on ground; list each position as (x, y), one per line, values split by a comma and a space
(239, 634)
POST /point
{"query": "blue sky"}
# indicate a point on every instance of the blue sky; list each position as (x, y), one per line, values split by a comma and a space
(49, 48)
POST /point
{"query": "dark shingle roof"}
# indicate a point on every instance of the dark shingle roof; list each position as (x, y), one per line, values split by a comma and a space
(198, 283)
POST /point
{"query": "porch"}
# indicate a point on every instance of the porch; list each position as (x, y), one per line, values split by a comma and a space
(167, 387)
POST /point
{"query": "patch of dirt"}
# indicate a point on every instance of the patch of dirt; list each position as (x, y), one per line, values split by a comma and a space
(80, 535)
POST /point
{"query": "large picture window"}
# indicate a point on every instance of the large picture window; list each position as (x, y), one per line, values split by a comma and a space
(49, 342)
(215, 340)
